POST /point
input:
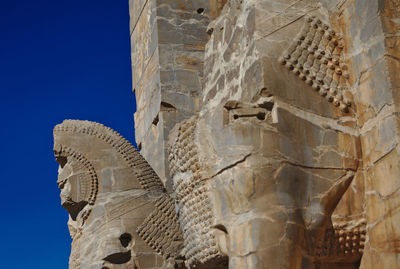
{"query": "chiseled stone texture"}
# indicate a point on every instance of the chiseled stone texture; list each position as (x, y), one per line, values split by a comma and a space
(273, 127)
(168, 40)
(120, 213)
(296, 139)
(274, 155)
(373, 33)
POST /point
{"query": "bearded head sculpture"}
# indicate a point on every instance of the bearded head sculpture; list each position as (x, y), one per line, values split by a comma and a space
(119, 212)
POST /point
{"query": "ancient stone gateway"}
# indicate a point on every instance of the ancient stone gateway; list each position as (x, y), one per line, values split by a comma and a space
(269, 132)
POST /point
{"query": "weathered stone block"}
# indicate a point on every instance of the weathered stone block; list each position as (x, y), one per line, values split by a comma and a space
(380, 140)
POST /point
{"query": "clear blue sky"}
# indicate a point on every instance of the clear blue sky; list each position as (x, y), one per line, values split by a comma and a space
(58, 59)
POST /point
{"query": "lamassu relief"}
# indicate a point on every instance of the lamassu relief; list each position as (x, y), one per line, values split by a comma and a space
(269, 136)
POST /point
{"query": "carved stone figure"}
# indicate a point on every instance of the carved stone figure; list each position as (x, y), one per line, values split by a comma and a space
(276, 146)
(281, 119)
(120, 214)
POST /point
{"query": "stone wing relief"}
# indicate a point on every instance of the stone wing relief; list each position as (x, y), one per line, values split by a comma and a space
(108, 188)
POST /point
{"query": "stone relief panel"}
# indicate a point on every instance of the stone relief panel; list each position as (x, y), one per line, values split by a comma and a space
(191, 194)
(266, 199)
(275, 158)
(120, 213)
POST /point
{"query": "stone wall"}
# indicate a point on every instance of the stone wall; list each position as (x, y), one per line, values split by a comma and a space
(372, 32)
(168, 40)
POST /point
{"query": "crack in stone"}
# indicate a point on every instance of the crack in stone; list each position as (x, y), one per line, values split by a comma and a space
(392, 57)
(138, 18)
(229, 167)
(385, 111)
(316, 167)
(382, 157)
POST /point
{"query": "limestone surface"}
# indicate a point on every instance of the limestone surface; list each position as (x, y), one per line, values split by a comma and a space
(270, 138)
(120, 213)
